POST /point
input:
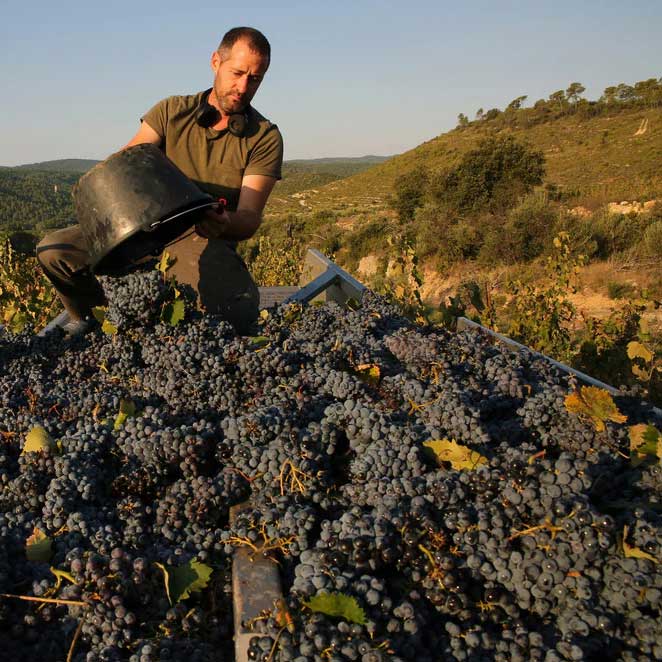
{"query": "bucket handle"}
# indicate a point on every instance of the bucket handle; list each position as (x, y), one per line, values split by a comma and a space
(181, 213)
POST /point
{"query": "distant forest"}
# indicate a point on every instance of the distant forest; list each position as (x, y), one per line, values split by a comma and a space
(644, 94)
(35, 199)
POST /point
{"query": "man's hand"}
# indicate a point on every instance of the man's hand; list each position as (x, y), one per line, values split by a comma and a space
(214, 224)
(243, 223)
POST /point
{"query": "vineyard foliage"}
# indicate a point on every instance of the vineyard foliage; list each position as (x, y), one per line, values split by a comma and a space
(26, 295)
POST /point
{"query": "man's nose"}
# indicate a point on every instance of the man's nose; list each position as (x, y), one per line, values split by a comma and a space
(242, 84)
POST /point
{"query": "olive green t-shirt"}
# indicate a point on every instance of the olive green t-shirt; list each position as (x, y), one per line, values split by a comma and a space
(216, 160)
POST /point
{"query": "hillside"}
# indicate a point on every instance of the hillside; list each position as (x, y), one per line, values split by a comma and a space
(38, 195)
(600, 158)
(60, 165)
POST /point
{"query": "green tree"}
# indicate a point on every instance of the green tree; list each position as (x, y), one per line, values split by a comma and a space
(516, 103)
(409, 192)
(492, 176)
(574, 92)
(648, 92)
(558, 99)
(462, 120)
(609, 95)
(624, 93)
(491, 114)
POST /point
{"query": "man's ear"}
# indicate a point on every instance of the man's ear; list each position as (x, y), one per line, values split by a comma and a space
(215, 61)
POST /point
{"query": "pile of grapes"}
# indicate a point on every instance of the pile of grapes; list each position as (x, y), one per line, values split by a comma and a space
(537, 536)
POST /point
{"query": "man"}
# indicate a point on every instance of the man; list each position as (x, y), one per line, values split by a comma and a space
(230, 151)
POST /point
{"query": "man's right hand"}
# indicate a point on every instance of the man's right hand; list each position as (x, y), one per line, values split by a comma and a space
(214, 224)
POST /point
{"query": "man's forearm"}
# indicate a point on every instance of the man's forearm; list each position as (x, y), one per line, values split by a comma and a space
(242, 224)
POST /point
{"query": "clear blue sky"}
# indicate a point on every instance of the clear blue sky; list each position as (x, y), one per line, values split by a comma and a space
(347, 78)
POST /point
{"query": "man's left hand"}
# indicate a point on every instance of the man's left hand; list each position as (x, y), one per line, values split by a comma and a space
(214, 223)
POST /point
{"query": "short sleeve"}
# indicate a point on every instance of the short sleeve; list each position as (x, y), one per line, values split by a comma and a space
(157, 117)
(266, 157)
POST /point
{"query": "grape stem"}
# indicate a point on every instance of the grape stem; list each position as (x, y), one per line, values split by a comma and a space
(57, 601)
(70, 655)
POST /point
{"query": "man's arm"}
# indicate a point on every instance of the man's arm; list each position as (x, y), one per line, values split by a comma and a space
(145, 135)
(243, 223)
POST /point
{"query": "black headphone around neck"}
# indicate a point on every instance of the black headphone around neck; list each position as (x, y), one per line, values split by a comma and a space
(206, 115)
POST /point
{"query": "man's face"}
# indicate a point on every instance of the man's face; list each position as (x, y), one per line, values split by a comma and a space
(237, 77)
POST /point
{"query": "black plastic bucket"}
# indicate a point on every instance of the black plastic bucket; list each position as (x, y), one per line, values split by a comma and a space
(134, 203)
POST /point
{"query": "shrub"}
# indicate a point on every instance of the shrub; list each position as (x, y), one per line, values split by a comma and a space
(26, 295)
(616, 233)
(431, 228)
(492, 176)
(369, 238)
(618, 290)
(528, 227)
(409, 192)
(652, 239)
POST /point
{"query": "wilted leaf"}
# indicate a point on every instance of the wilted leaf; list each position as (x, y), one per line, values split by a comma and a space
(164, 262)
(181, 581)
(460, 457)
(127, 409)
(640, 373)
(38, 440)
(596, 404)
(38, 547)
(173, 312)
(337, 605)
(634, 552)
(282, 615)
(369, 372)
(637, 350)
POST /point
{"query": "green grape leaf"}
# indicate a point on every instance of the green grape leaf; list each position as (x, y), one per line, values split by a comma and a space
(38, 440)
(99, 313)
(173, 312)
(337, 605)
(637, 350)
(108, 328)
(635, 552)
(258, 342)
(181, 581)
(645, 443)
(460, 457)
(38, 547)
(127, 409)
(596, 404)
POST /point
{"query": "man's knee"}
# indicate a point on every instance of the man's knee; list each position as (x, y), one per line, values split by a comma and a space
(65, 246)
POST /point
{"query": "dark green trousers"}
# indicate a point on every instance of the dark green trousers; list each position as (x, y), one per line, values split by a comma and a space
(211, 267)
